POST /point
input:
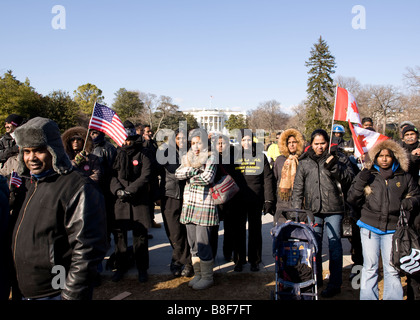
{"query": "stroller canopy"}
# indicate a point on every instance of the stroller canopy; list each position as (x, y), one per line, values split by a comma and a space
(294, 230)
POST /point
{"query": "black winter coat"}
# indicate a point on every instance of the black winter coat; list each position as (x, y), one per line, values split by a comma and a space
(61, 222)
(132, 172)
(8, 147)
(255, 179)
(381, 201)
(170, 186)
(319, 189)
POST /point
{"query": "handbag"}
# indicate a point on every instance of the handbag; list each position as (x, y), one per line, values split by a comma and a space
(348, 223)
(347, 226)
(405, 252)
(224, 189)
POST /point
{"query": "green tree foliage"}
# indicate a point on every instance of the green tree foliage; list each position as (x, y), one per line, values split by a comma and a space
(191, 121)
(236, 122)
(85, 97)
(60, 107)
(172, 121)
(127, 104)
(320, 99)
(18, 97)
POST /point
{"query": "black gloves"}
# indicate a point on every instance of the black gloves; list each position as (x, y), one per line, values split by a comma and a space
(406, 204)
(269, 207)
(123, 195)
(365, 175)
(330, 162)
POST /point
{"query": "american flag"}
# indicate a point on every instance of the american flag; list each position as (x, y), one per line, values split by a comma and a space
(105, 120)
(15, 180)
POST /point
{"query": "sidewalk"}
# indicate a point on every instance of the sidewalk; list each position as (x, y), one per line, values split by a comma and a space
(160, 250)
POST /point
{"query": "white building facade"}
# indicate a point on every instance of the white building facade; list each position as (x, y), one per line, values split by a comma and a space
(213, 120)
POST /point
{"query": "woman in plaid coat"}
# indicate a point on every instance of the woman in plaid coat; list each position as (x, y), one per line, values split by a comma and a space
(199, 213)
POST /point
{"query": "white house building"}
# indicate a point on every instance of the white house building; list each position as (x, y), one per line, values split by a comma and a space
(213, 120)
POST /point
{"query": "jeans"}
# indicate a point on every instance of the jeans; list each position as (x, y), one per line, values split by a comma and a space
(373, 244)
(200, 239)
(332, 222)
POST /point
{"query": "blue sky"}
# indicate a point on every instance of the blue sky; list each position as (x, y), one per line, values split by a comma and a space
(241, 52)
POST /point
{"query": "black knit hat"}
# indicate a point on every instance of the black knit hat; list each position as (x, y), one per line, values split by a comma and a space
(129, 128)
(319, 132)
(410, 128)
(14, 119)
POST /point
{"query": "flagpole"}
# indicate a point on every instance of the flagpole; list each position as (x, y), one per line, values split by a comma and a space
(87, 134)
(332, 122)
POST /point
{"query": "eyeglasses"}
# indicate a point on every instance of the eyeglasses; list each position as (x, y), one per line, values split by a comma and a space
(76, 138)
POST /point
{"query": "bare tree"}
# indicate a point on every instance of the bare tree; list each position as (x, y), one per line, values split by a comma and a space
(382, 103)
(150, 103)
(164, 108)
(298, 120)
(349, 83)
(412, 79)
(268, 116)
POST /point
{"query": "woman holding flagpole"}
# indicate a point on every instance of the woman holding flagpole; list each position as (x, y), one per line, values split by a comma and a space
(321, 180)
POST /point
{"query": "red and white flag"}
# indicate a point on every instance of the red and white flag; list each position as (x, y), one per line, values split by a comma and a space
(106, 120)
(15, 180)
(345, 108)
(364, 139)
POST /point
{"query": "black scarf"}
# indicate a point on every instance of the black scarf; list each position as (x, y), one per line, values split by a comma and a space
(314, 156)
(386, 173)
(410, 147)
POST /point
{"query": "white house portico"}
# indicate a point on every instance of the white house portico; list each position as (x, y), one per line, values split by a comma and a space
(213, 120)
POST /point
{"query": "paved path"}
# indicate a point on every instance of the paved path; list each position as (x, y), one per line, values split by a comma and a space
(160, 250)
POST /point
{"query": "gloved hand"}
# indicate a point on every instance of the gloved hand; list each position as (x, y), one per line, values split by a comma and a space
(123, 195)
(330, 162)
(80, 158)
(365, 175)
(406, 204)
(269, 207)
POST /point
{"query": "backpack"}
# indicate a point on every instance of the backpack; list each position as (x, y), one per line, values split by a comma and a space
(405, 253)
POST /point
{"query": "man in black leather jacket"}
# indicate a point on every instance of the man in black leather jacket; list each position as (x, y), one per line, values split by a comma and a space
(61, 224)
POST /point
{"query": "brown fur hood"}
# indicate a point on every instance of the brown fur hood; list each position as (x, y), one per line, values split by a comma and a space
(191, 160)
(399, 152)
(283, 142)
(79, 132)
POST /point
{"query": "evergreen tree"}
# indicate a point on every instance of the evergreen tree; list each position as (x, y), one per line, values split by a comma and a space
(236, 122)
(85, 97)
(60, 107)
(127, 104)
(320, 100)
(18, 97)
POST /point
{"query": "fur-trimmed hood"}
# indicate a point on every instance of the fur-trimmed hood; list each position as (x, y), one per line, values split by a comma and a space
(191, 160)
(76, 132)
(42, 132)
(399, 153)
(283, 142)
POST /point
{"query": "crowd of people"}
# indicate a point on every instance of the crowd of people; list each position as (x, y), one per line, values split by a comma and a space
(65, 197)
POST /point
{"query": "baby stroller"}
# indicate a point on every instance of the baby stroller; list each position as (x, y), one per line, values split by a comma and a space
(294, 249)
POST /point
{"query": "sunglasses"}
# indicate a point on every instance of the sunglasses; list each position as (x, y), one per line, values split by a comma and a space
(76, 138)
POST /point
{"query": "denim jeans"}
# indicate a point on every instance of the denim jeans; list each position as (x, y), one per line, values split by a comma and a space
(200, 239)
(332, 223)
(373, 244)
